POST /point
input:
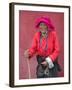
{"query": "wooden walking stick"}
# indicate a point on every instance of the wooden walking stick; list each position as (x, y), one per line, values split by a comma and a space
(28, 64)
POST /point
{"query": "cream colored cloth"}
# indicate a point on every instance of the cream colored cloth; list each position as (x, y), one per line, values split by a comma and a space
(50, 63)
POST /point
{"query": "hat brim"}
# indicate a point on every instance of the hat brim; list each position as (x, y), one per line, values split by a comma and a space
(49, 24)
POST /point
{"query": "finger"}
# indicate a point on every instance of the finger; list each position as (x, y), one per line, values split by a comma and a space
(42, 63)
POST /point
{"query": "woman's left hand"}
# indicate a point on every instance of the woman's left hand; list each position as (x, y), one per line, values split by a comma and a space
(44, 63)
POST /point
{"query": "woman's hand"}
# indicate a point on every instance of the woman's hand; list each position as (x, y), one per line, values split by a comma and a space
(26, 53)
(44, 63)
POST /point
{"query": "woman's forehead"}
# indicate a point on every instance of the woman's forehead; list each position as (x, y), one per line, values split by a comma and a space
(42, 23)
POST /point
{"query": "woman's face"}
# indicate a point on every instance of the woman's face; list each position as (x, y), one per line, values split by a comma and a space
(43, 28)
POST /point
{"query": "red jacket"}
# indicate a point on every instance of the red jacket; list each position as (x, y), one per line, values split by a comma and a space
(52, 43)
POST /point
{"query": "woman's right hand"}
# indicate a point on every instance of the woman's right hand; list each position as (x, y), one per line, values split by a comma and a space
(26, 53)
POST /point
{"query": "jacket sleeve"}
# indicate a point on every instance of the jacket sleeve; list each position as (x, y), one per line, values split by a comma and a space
(56, 50)
(33, 48)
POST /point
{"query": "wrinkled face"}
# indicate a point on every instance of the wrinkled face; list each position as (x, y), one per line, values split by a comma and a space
(43, 28)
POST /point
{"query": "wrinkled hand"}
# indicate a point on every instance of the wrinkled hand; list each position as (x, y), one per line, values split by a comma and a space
(26, 54)
(44, 63)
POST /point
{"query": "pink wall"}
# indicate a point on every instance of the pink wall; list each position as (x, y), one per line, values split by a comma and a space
(26, 32)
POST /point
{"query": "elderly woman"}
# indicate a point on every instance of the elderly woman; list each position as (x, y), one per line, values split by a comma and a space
(46, 48)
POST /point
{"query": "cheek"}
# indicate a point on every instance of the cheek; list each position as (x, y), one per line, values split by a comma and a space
(42, 28)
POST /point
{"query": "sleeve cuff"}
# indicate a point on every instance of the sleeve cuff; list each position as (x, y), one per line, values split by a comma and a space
(48, 60)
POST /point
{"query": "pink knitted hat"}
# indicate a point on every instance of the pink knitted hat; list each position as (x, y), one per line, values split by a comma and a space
(45, 20)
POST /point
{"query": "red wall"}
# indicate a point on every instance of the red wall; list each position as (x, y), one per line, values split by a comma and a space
(26, 32)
